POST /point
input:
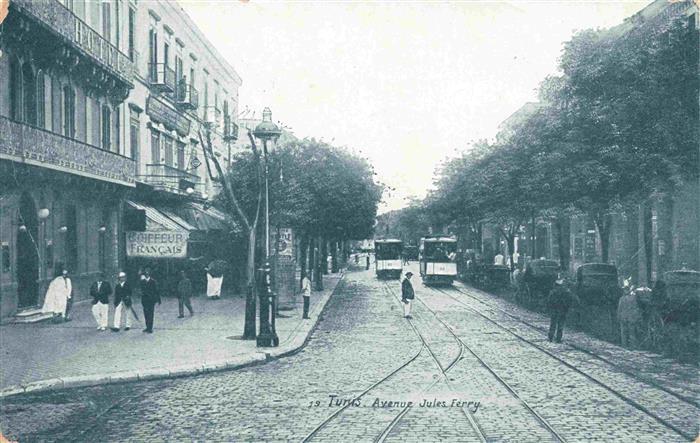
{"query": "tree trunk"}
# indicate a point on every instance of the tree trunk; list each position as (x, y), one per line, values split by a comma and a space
(334, 257)
(303, 254)
(562, 226)
(251, 292)
(324, 256)
(510, 241)
(533, 247)
(317, 264)
(603, 224)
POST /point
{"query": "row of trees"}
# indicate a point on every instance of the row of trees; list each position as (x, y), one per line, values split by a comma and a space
(326, 194)
(619, 124)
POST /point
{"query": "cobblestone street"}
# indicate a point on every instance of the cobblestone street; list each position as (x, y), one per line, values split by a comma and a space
(470, 366)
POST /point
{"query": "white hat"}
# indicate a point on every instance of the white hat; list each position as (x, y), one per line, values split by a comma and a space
(122, 274)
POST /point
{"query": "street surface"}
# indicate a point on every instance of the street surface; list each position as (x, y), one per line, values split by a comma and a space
(466, 368)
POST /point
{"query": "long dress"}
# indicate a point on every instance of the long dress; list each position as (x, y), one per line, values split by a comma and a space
(214, 285)
(57, 296)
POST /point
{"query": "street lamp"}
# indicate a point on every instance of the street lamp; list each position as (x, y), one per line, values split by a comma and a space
(267, 131)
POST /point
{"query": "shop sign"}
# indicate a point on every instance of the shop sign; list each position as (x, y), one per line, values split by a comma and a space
(285, 242)
(168, 117)
(156, 244)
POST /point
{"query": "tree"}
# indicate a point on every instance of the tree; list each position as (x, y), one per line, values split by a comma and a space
(245, 207)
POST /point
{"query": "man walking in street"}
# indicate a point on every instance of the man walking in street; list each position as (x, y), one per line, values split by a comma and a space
(407, 294)
(559, 302)
(58, 297)
(149, 298)
(100, 292)
(629, 315)
(184, 292)
(122, 303)
(306, 294)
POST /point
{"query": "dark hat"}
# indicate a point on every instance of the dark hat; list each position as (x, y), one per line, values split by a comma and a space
(409, 273)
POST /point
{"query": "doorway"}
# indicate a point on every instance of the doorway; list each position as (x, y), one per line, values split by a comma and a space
(27, 254)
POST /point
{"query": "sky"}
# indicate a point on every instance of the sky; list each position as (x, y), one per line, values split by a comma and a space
(404, 84)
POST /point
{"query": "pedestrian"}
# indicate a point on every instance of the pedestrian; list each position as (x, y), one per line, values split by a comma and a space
(367, 264)
(357, 258)
(558, 302)
(407, 294)
(213, 285)
(629, 315)
(57, 297)
(149, 297)
(100, 292)
(306, 294)
(122, 303)
(184, 291)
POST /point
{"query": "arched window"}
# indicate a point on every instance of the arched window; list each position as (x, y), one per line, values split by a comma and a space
(40, 100)
(29, 90)
(15, 90)
(68, 111)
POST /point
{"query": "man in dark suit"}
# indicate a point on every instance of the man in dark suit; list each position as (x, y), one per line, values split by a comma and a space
(407, 294)
(149, 297)
(100, 292)
(122, 303)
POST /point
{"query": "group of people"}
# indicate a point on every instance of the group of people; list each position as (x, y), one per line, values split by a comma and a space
(59, 296)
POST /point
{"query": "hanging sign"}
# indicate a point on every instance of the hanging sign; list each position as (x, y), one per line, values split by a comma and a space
(156, 244)
(285, 242)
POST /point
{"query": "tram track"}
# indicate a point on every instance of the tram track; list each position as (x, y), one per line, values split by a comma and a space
(603, 385)
(588, 352)
(444, 370)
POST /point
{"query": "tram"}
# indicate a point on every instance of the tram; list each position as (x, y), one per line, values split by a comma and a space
(387, 258)
(437, 258)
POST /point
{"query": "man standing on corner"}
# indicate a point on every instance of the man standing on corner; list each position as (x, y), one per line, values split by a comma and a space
(100, 292)
(184, 292)
(306, 294)
(149, 298)
(407, 294)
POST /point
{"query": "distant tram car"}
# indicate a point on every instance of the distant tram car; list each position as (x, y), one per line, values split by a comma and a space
(387, 255)
(438, 259)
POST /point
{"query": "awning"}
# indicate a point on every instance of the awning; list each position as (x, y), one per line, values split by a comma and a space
(206, 219)
(157, 220)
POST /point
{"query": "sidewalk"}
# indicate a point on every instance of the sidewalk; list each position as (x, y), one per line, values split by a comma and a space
(49, 356)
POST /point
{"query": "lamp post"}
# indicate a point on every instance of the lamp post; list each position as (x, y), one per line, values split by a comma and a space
(267, 131)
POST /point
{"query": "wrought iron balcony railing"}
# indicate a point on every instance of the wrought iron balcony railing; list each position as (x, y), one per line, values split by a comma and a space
(61, 20)
(187, 95)
(162, 77)
(23, 143)
(168, 178)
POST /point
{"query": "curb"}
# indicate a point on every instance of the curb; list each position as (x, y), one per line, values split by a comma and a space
(290, 347)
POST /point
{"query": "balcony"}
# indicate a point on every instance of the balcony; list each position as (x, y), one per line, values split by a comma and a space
(170, 179)
(230, 130)
(27, 144)
(54, 16)
(187, 96)
(162, 77)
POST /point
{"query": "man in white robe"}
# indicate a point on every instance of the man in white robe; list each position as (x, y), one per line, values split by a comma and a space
(57, 295)
(214, 286)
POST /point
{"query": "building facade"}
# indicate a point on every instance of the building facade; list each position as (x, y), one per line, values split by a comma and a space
(63, 81)
(101, 109)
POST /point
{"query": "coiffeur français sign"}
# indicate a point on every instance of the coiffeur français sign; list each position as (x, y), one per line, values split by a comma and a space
(156, 244)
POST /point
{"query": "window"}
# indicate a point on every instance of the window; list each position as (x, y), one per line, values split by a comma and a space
(68, 112)
(132, 37)
(117, 23)
(5, 257)
(168, 147)
(181, 156)
(29, 91)
(153, 53)
(179, 77)
(134, 140)
(106, 21)
(15, 90)
(106, 128)
(40, 100)
(155, 147)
